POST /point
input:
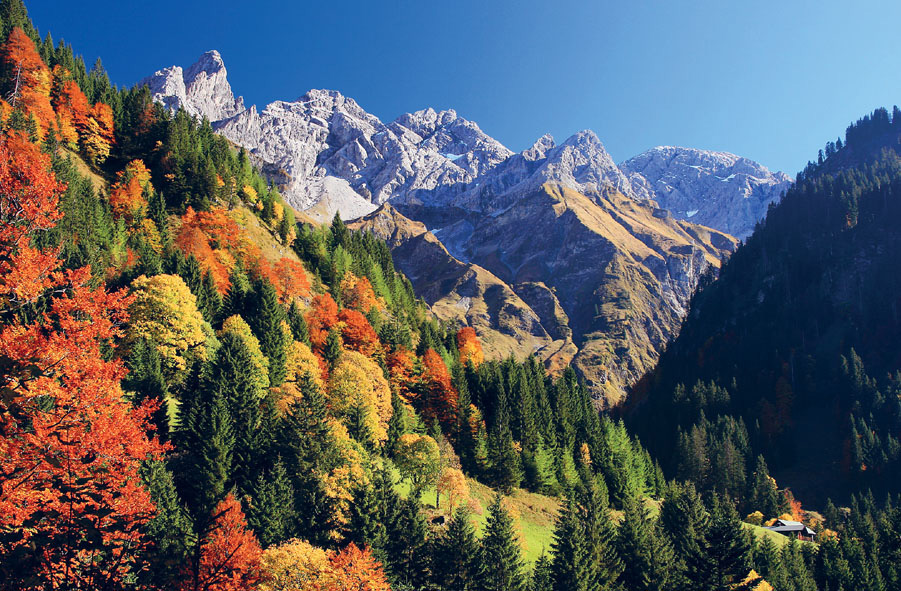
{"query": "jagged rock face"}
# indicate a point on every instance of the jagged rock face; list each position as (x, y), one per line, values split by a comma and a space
(201, 90)
(342, 158)
(715, 189)
(580, 163)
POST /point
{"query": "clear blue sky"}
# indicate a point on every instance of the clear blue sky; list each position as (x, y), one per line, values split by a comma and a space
(770, 80)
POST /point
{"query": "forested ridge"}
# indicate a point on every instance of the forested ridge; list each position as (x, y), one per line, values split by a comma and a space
(201, 393)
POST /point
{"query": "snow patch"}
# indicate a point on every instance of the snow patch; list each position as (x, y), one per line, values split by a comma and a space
(691, 213)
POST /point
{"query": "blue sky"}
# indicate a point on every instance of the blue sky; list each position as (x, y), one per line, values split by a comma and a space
(770, 80)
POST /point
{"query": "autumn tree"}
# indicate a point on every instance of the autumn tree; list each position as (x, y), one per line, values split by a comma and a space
(164, 311)
(322, 316)
(469, 346)
(357, 293)
(357, 383)
(357, 334)
(127, 193)
(30, 81)
(293, 565)
(353, 569)
(437, 398)
(290, 280)
(452, 483)
(419, 461)
(228, 556)
(72, 505)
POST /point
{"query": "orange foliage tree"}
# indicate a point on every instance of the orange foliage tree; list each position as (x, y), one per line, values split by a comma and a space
(127, 194)
(30, 79)
(437, 398)
(322, 316)
(402, 370)
(469, 346)
(214, 238)
(357, 293)
(289, 279)
(71, 502)
(353, 569)
(357, 333)
(230, 555)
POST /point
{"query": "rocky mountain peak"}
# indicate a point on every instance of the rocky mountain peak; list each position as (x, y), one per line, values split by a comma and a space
(716, 189)
(202, 90)
(540, 148)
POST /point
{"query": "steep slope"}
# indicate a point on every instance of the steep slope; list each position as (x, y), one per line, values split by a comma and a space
(454, 289)
(818, 280)
(715, 189)
(621, 270)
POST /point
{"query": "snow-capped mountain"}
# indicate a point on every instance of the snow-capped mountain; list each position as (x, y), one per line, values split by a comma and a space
(715, 189)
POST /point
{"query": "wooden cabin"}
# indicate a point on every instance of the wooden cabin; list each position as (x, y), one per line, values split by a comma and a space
(793, 529)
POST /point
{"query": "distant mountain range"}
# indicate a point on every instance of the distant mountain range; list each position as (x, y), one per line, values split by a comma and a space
(555, 250)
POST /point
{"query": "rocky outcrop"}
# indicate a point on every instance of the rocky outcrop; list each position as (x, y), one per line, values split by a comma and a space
(715, 189)
(202, 90)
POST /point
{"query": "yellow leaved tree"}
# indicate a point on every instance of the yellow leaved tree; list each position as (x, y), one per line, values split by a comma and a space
(164, 312)
(357, 383)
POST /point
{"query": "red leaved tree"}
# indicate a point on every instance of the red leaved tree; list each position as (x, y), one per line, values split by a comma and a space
(322, 316)
(357, 334)
(71, 500)
(30, 80)
(437, 398)
(353, 569)
(230, 555)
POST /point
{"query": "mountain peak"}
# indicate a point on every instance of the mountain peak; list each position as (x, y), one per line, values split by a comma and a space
(202, 90)
(540, 148)
(209, 62)
(716, 189)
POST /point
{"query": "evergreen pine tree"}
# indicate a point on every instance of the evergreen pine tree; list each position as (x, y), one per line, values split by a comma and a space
(501, 555)
(145, 379)
(365, 526)
(542, 575)
(298, 324)
(647, 556)
(397, 424)
(237, 298)
(266, 321)
(230, 376)
(207, 442)
(170, 531)
(270, 511)
(764, 496)
(308, 449)
(408, 558)
(726, 557)
(458, 563)
(333, 349)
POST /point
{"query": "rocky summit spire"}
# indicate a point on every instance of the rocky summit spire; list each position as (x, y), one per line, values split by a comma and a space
(202, 90)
